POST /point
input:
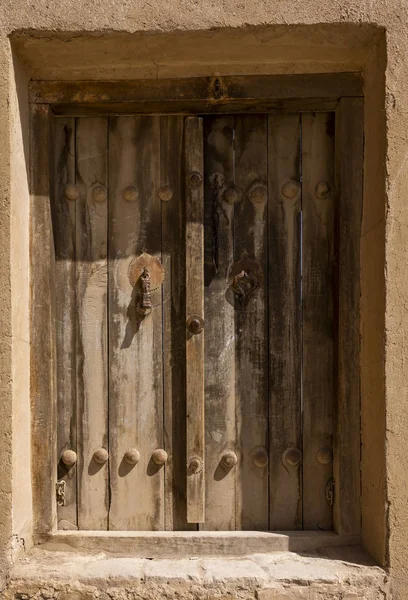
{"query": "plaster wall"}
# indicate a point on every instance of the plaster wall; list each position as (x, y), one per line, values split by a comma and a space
(107, 39)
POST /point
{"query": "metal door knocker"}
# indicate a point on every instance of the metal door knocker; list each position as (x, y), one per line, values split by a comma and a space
(245, 278)
(146, 274)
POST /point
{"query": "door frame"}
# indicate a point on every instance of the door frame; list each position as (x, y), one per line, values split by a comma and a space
(341, 93)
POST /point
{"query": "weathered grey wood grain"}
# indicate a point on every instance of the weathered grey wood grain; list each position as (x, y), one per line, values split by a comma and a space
(135, 342)
(174, 310)
(284, 319)
(194, 194)
(91, 309)
(42, 327)
(220, 425)
(251, 323)
(63, 206)
(317, 294)
(349, 185)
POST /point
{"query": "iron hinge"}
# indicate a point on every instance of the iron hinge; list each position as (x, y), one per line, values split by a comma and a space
(60, 492)
(330, 489)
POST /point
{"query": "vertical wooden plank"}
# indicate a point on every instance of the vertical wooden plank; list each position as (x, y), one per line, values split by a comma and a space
(195, 310)
(251, 324)
(63, 208)
(91, 303)
(42, 327)
(135, 342)
(220, 426)
(317, 295)
(349, 185)
(284, 321)
(171, 194)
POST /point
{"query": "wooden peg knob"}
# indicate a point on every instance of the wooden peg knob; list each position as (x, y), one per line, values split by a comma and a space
(99, 194)
(290, 189)
(160, 456)
(71, 192)
(292, 457)
(324, 456)
(260, 458)
(132, 456)
(101, 456)
(69, 458)
(229, 460)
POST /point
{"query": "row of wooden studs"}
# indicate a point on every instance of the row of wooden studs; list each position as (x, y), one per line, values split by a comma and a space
(257, 195)
(291, 457)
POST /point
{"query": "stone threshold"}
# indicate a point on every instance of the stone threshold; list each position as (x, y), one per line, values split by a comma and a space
(332, 573)
(182, 544)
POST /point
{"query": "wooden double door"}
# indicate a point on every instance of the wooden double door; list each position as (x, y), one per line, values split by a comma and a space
(194, 321)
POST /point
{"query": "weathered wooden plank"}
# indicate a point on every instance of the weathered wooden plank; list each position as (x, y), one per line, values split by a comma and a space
(251, 324)
(220, 426)
(174, 310)
(63, 206)
(317, 307)
(135, 342)
(191, 107)
(91, 303)
(284, 321)
(194, 193)
(212, 89)
(349, 185)
(42, 327)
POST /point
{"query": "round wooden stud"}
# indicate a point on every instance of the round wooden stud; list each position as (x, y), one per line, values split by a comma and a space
(258, 194)
(260, 458)
(229, 459)
(292, 457)
(324, 456)
(165, 193)
(101, 456)
(69, 458)
(230, 196)
(131, 194)
(195, 324)
(99, 194)
(132, 456)
(290, 189)
(71, 192)
(194, 179)
(160, 456)
(194, 465)
(322, 189)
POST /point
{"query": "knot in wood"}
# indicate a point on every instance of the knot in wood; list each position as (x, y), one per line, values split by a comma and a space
(99, 194)
(322, 189)
(165, 193)
(324, 456)
(230, 196)
(71, 192)
(69, 458)
(291, 189)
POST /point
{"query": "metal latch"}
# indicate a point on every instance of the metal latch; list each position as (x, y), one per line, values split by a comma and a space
(60, 492)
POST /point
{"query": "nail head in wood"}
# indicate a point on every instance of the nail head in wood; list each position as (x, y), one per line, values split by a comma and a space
(322, 189)
(229, 460)
(99, 194)
(195, 325)
(101, 456)
(324, 456)
(292, 457)
(291, 189)
(195, 465)
(69, 458)
(71, 192)
(131, 194)
(160, 456)
(132, 456)
(165, 193)
(230, 196)
(258, 194)
(260, 458)
(194, 179)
